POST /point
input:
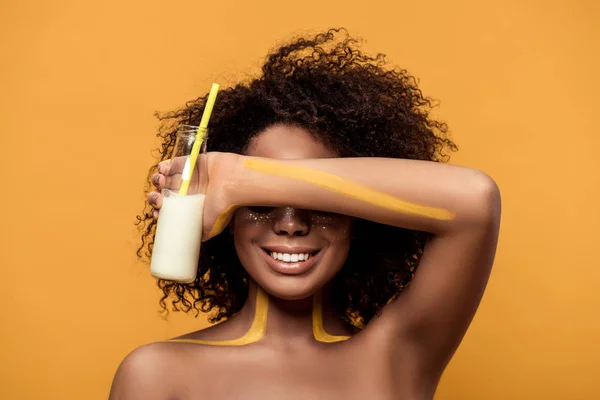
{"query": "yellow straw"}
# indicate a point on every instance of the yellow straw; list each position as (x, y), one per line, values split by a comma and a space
(191, 161)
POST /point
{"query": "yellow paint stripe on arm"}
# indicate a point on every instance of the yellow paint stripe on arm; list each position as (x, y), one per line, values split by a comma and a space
(348, 188)
(222, 220)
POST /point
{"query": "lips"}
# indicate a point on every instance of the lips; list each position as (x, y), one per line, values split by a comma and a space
(290, 249)
(290, 268)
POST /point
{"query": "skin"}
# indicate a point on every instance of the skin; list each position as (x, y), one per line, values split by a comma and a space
(402, 353)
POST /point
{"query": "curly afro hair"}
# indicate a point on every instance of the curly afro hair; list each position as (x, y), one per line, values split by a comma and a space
(358, 107)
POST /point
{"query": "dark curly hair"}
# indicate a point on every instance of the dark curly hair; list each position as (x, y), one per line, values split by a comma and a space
(357, 107)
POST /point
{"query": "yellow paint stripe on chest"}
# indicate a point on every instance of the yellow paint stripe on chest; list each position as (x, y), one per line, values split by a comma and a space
(348, 188)
(317, 323)
(259, 326)
(255, 333)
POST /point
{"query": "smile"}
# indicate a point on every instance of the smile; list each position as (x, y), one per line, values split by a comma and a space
(292, 261)
(287, 257)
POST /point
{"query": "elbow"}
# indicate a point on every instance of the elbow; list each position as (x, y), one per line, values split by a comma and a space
(485, 200)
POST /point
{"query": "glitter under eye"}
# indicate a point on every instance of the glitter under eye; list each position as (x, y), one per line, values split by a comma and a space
(322, 218)
(259, 214)
(317, 220)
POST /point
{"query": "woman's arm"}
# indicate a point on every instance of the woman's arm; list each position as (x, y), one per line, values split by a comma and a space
(421, 195)
(459, 206)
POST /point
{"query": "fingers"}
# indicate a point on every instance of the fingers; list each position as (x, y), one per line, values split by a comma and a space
(172, 174)
(169, 176)
(155, 200)
(158, 180)
(164, 167)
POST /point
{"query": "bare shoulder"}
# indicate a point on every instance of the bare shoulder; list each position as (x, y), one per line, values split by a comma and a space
(226, 330)
(148, 372)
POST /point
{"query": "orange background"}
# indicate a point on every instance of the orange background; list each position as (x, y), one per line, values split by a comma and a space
(80, 81)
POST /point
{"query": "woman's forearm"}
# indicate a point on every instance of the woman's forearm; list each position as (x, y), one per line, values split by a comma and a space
(411, 194)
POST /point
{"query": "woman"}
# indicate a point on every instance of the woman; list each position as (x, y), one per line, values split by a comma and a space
(347, 260)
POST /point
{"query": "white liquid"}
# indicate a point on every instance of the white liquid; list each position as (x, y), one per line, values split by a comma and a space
(178, 236)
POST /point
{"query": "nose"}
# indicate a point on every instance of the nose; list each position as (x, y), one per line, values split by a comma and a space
(291, 221)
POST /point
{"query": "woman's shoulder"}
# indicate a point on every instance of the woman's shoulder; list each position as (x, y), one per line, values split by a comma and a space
(158, 357)
(156, 353)
(141, 374)
(152, 358)
(152, 370)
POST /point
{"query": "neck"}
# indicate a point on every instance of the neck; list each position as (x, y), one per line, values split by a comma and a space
(290, 321)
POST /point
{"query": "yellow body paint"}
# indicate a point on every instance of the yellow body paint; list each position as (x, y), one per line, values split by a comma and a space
(317, 323)
(255, 333)
(222, 221)
(343, 186)
(335, 184)
(259, 325)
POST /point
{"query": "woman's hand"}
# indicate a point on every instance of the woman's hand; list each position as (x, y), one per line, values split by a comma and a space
(214, 172)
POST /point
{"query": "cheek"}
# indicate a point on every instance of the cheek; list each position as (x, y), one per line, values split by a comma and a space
(337, 232)
(336, 228)
(339, 240)
(245, 222)
(248, 227)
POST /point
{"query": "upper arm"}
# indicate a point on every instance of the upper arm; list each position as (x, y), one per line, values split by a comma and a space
(435, 310)
(141, 375)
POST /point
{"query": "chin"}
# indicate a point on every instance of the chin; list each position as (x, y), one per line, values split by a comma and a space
(289, 288)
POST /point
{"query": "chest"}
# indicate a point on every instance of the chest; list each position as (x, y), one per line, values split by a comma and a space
(292, 382)
(331, 373)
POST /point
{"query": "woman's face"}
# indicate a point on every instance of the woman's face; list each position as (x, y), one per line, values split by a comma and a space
(273, 243)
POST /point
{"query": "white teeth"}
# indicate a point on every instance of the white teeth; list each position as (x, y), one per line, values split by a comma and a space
(287, 257)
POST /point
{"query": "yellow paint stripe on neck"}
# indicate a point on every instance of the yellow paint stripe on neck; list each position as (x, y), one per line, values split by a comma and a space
(343, 186)
(255, 333)
(259, 325)
(317, 323)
